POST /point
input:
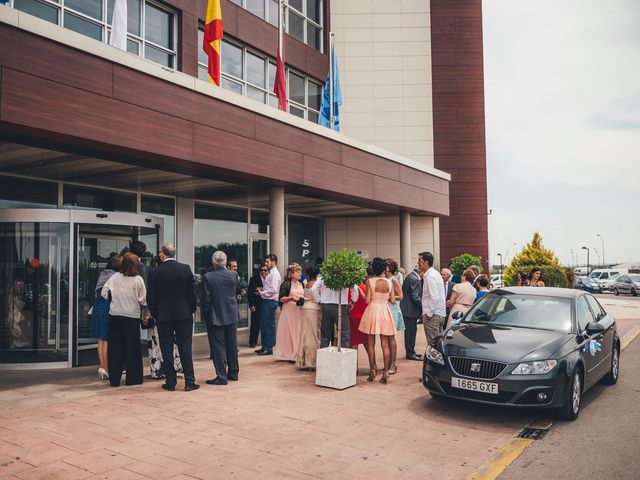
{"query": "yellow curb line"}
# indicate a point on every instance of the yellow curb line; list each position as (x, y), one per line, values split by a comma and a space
(629, 337)
(511, 450)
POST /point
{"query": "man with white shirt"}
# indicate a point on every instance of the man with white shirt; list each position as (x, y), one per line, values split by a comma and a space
(269, 294)
(329, 300)
(434, 307)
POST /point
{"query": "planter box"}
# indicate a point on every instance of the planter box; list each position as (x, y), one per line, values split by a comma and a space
(336, 369)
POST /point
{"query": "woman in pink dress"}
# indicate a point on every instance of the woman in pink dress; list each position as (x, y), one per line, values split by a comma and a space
(291, 297)
(377, 319)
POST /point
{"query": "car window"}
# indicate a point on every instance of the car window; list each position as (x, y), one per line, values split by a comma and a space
(604, 275)
(596, 308)
(614, 273)
(584, 314)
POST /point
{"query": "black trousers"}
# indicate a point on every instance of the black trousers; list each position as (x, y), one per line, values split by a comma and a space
(223, 342)
(254, 329)
(180, 331)
(411, 328)
(329, 320)
(124, 350)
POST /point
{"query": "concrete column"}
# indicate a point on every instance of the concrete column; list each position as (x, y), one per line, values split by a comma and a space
(406, 261)
(277, 226)
(185, 208)
(436, 243)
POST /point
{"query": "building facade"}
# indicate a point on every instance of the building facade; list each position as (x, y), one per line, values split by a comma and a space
(99, 147)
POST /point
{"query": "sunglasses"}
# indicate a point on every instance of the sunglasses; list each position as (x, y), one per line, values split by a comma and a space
(263, 270)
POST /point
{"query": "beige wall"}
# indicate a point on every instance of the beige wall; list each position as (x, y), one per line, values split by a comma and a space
(384, 58)
(380, 236)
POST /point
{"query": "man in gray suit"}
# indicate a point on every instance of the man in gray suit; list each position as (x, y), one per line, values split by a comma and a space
(220, 288)
(411, 307)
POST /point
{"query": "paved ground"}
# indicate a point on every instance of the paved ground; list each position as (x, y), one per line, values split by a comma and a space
(602, 443)
(274, 423)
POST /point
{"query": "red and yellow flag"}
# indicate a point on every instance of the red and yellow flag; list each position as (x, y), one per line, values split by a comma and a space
(212, 36)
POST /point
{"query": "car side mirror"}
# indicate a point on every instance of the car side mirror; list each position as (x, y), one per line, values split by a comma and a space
(457, 316)
(594, 328)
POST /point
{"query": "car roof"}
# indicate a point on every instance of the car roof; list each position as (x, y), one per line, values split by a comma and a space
(540, 292)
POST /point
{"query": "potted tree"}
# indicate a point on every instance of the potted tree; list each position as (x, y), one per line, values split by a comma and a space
(336, 366)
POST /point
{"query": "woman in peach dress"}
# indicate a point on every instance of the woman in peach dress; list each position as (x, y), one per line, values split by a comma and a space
(290, 319)
(377, 318)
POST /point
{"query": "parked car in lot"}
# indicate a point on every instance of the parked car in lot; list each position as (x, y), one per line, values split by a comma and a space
(627, 283)
(588, 284)
(607, 285)
(525, 347)
(604, 274)
(496, 281)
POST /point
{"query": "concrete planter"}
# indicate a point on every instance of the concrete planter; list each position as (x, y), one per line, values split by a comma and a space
(336, 369)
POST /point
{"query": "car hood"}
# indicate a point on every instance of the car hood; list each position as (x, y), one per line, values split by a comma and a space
(501, 344)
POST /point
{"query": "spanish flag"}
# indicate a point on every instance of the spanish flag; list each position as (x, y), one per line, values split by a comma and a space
(212, 36)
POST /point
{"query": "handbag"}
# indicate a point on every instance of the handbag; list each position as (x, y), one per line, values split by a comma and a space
(300, 302)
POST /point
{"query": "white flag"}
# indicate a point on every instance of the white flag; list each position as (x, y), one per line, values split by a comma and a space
(119, 25)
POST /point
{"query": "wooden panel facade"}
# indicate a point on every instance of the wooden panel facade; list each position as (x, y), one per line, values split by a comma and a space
(136, 118)
(458, 124)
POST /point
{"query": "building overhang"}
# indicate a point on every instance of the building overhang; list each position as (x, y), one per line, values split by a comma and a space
(64, 91)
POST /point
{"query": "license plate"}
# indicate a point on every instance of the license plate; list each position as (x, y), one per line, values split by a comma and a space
(475, 385)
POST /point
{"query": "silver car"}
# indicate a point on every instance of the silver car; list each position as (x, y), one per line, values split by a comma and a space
(627, 283)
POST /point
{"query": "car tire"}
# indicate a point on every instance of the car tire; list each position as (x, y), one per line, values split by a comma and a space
(615, 291)
(571, 408)
(611, 378)
(634, 292)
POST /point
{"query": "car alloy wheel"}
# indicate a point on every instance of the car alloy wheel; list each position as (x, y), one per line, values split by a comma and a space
(615, 291)
(634, 292)
(575, 405)
(571, 407)
(611, 378)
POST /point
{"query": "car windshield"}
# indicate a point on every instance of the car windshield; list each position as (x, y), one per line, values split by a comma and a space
(522, 311)
(595, 275)
(635, 278)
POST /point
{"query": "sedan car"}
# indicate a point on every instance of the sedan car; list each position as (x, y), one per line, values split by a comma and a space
(525, 347)
(627, 283)
(588, 284)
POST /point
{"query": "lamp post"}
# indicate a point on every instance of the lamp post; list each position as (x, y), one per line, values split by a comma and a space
(604, 264)
(597, 254)
(509, 248)
(587, 249)
(500, 255)
(573, 260)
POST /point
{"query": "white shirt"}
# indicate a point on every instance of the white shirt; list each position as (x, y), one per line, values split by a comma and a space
(433, 298)
(322, 294)
(127, 294)
(271, 285)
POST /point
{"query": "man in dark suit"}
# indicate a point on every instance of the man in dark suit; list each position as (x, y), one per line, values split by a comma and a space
(220, 289)
(171, 297)
(255, 300)
(411, 307)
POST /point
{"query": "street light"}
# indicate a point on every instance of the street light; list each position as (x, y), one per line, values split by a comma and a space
(500, 255)
(509, 248)
(604, 264)
(596, 250)
(587, 249)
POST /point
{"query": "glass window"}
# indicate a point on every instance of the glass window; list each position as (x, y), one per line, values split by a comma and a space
(296, 88)
(38, 9)
(256, 94)
(314, 11)
(221, 228)
(91, 8)
(96, 199)
(80, 25)
(584, 314)
(257, 7)
(273, 12)
(315, 95)
(231, 85)
(596, 308)
(306, 239)
(298, 112)
(296, 26)
(255, 69)
(259, 221)
(93, 19)
(297, 4)
(19, 193)
(231, 59)
(164, 208)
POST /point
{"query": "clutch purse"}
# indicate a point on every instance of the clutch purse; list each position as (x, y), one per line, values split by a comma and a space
(300, 301)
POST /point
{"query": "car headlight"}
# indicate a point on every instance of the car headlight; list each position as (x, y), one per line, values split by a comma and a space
(434, 355)
(535, 368)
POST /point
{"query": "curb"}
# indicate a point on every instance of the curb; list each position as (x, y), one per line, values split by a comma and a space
(513, 448)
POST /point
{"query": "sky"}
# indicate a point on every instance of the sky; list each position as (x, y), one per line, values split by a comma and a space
(562, 100)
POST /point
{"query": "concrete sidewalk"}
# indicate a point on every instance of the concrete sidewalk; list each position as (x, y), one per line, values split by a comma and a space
(274, 423)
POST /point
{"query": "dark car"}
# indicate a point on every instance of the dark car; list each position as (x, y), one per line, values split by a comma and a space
(627, 283)
(525, 347)
(587, 284)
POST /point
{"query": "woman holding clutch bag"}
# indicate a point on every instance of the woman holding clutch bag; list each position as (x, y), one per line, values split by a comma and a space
(291, 297)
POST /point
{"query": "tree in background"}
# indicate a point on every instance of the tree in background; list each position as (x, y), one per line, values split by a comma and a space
(534, 254)
(460, 263)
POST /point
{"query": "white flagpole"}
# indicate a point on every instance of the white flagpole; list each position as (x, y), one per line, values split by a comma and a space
(119, 25)
(331, 117)
(281, 6)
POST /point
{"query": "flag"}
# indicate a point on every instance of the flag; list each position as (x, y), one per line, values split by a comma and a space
(212, 36)
(324, 118)
(119, 25)
(280, 85)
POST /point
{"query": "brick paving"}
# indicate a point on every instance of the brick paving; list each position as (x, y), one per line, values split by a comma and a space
(274, 423)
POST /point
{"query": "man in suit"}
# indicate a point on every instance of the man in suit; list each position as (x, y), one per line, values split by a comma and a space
(255, 300)
(171, 297)
(220, 289)
(411, 307)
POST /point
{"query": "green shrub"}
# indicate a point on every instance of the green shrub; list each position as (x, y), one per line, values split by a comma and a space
(460, 263)
(343, 269)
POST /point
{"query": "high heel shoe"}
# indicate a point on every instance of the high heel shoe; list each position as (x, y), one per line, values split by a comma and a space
(394, 368)
(102, 374)
(372, 375)
(385, 377)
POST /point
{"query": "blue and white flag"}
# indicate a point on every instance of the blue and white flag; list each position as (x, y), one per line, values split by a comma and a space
(325, 110)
